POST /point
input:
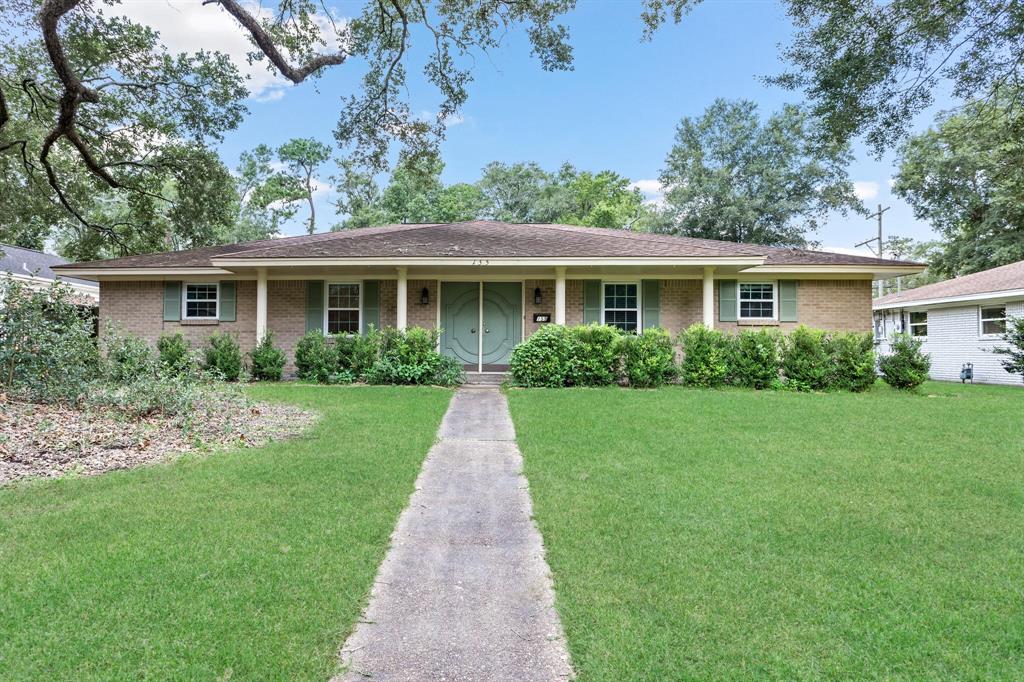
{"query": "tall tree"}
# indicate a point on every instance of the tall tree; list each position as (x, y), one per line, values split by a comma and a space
(302, 158)
(870, 66)
(107, 95)
(516, 192)
(729, 176)
(965, 176)
(602, 199)
(266, 197)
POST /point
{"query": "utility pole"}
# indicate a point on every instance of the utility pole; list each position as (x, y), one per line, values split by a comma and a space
(879, 252)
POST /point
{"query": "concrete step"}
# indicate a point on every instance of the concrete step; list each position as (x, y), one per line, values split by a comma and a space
(488, 379)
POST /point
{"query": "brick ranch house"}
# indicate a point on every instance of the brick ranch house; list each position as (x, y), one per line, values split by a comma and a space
(486, 285)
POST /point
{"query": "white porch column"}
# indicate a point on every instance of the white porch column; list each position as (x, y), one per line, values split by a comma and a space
(709, 297)
(402, 300)
(560, 295)
(261, 304)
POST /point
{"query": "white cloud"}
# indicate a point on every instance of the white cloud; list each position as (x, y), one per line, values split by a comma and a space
(865, 189)
(653, 191)
(190, 26)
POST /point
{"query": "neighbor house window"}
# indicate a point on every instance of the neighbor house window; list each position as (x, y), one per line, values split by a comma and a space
(993, 320)
(918, 324)
(757, 300)
(201, 301)
(879, 326)
(342, 308)
(621, 306)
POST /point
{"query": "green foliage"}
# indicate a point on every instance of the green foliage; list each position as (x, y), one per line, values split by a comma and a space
(411, 357)
(805, 361)
(851, 358)
(1014, 336)
(47, 349)
(905, 367)
(593, 355)
(302, 158)
(267, 360)
(869, 68)
(356, 353)
(128, 358)
(315, 358)
(160, 393)
(965, 177)
(543, 359)
(175, 354)
(756, 359)
(224, 356)
(728, 169)
(706, 355)
(648, 360)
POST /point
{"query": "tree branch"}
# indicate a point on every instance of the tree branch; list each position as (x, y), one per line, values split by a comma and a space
(266, 44)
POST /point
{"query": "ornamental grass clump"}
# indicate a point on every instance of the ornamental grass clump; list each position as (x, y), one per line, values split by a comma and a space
(267, 360)
(851, 358)
(648, 360)
(805, 362)
(905, 367)
(756, 359)
(706, 356)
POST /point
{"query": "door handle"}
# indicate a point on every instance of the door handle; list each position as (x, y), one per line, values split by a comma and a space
(487, 331)
(473, 330)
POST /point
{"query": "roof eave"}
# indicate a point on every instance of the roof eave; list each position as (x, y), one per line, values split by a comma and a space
(876, 271)
(1006, 294)
(228, 262)
(93, 274)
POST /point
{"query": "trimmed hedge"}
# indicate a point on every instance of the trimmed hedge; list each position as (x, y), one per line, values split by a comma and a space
(386, 356)
(594, 355)
(906, 367)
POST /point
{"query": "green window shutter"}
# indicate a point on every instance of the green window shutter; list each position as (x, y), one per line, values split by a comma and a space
(727, 300)
(172, 301)
(371, 304)
(652, 306)
(787, 300)
(591, 301)
(314, 305)
(228, 304)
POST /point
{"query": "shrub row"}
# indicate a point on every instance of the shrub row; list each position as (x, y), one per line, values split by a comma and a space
(385, 356)
(593, 355)
(804, 360)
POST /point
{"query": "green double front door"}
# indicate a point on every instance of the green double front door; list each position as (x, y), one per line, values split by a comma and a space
(481, 322)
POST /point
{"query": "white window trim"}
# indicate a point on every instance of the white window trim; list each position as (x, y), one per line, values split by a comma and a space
(328, 309)
(910, 325)
(982, 320)
(639, 302)
(184, 301)
(739, 301)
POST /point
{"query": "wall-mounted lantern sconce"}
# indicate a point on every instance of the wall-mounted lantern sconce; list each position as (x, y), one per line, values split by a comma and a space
(425, 296)
(537, 299)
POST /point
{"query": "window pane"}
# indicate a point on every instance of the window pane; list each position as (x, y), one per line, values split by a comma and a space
(756, 292)
(756, 309)
(200, 309)
(916, 318)
(623, 319)
(343, 322)
(993, 326)
(997, 313)
(343, 296)
(201, 292)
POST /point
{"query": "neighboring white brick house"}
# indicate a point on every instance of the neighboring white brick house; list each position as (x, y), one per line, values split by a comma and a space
(959, 321)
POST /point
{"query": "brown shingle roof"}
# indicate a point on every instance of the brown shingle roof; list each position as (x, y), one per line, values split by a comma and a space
(1004, 278)
(485, 239)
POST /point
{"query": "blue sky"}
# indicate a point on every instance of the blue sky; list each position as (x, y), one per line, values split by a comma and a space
(617, 110)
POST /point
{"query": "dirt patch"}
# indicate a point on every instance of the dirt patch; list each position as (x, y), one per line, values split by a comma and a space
(48, 441)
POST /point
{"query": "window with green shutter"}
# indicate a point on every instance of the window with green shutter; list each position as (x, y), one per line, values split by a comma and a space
(787, 300)
(592, 301)
(172, 301)
(228, 304)
(651, 302)
(726, 300)
(314, 305)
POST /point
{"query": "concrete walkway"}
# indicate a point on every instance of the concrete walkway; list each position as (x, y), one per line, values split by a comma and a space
(464, 592)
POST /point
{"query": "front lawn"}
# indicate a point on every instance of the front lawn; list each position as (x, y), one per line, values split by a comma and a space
(238, 565)
(732, 534)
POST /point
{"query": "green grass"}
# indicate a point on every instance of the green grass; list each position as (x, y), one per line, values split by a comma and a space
(732, 534)
(250, 564)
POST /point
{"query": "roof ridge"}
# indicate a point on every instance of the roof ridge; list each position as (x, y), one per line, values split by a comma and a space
(633, 234)
(333, 235)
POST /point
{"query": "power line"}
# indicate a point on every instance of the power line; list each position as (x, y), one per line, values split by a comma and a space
(867, 242)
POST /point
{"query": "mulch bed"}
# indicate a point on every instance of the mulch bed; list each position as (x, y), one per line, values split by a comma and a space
(48, 441)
